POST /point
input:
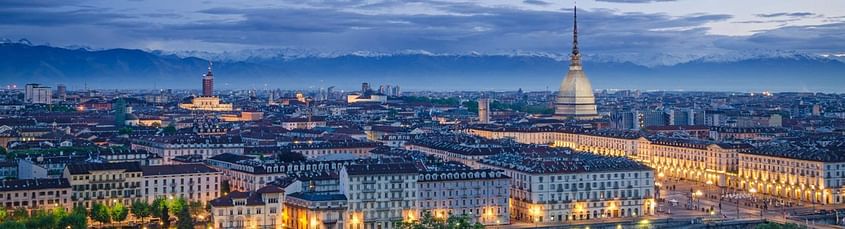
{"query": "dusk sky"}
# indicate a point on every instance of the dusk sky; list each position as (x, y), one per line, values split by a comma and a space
(623, 28)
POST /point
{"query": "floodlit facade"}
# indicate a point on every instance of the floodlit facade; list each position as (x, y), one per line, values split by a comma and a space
(809, 175)
(105, 183)
(379, 195)
(482, 195)
(35, 194)
(263, 208)
(700, 161)
(565, 186)
(193, 182)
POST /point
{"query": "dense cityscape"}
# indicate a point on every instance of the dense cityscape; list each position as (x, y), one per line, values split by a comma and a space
(382, 157)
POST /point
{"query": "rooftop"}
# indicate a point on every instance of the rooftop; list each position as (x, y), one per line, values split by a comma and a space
(833, 151)
(317, 196)
(33, 184)
(563, 160)
(162, 170)
(390, 168)
(88, 167)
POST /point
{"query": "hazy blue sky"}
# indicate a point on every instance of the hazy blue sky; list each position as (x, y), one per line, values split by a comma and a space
(666, 29)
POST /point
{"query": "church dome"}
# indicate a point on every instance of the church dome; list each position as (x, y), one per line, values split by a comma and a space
(575, 99)
(575, 85)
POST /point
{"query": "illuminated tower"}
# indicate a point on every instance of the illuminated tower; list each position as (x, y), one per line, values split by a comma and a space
(575, 100)
(484, 110)
(208, 82)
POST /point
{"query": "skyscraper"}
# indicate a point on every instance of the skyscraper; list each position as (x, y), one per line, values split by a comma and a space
(208, 82)
(575, 100)
(365, 87)
(61, 92)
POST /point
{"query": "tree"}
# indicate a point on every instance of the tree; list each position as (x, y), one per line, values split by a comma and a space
(176, 205)
(772, 225)
(3, 213)
(42, 219)
(100, 213)
(12, 224)
(140, 210)
(170, 129)
(20, 214)
(196, 208)
(427, 221)
(165, 216)
(185, 219)
(119, 212)
(125, 130)
(77, 219)
(156, 207)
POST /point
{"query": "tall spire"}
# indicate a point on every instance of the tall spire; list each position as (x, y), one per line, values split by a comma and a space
(575, 58)
(575, 30)
(209, 67)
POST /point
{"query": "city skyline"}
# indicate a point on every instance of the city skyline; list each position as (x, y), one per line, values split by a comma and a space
(425, 45)
(441, 114)
(672, 31)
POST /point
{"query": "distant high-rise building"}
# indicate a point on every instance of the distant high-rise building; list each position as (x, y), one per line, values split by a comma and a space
(396, 91)
(384, 89)
(208, 82)
(575, 100)
(686, 116)
(365, 87)
(654, 118)
(484, 110)
(38, 94)
(626, 120)
(329, 92)
(61, 92)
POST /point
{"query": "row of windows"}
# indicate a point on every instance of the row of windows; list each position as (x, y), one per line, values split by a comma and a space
(105, 177)
(25, 194)
(33, 203)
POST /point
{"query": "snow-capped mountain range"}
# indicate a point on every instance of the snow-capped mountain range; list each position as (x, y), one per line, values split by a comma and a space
(22, 62)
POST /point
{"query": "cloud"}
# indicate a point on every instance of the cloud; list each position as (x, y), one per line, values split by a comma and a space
(782, 14)
(395, 25)
(635, 1)
(536, 2)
